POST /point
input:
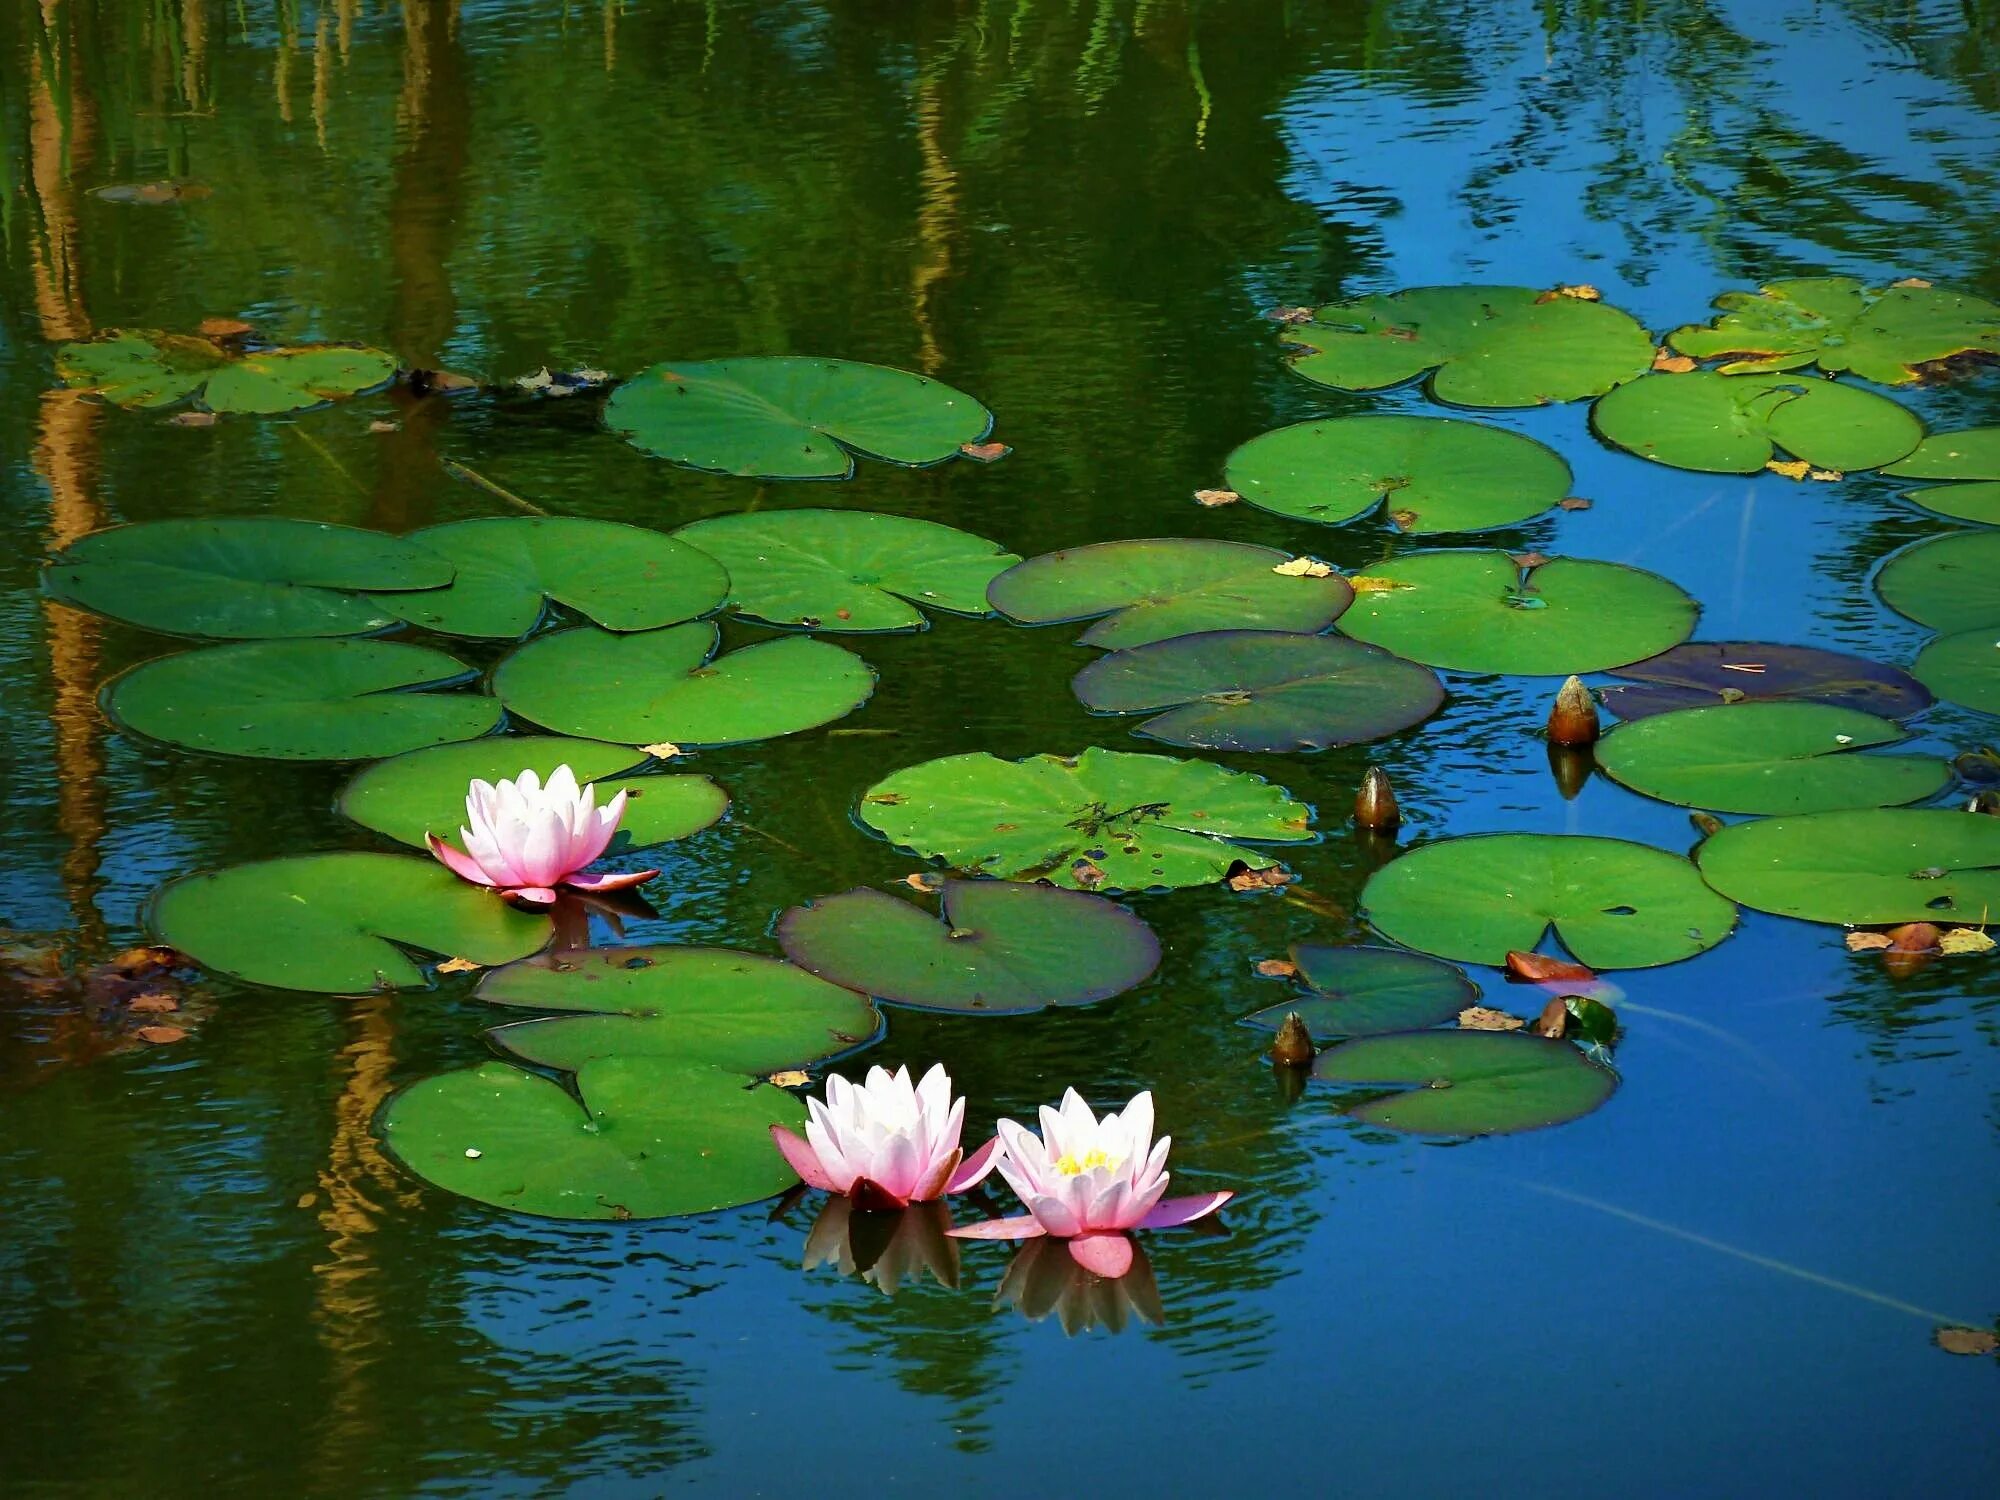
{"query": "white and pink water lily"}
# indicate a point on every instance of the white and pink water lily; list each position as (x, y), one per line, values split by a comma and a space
(1091, 1181)
(886, 1142)
(524, 837)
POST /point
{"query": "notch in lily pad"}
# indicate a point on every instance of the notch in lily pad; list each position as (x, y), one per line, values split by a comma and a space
(1738, 424)
(1892, 335)
(998, 948)
(792, 417)
(1702, 674)
(1467, 1083)
(1365, 991)
(147, 368)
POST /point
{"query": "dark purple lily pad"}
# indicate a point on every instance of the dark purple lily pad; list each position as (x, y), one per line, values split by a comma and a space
(1262, 690)
(1703, 673)
(1367, 991)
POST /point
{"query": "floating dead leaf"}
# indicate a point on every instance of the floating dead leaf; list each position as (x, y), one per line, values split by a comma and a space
(1283, 314)
(161, 1036)
(1088, 875)
(154, 1003)
(192, 419)
(1404, 520)
(1581, 292)
(1362, 583)
(1915, 281)
(1540, 968)
(1966, 1340)
(1484, 1018)
(1242, 878)
(791, 1078)
(1554, 1019)
(922, 881)
(1573, 502)
(1213, 498)
(152, 958)
(1826, 476)
(224, 330)
(665, 750)
(1867, 942)
(985, 453)
(458, 966)
(1708, 825)
(1527, 562)
(307, 1200)
(1965, 940)
(1791, 468)
(1276, 968)
(1304, 567)
(1670, 363)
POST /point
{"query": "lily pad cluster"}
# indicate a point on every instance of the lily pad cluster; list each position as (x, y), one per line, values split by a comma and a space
(148, 368)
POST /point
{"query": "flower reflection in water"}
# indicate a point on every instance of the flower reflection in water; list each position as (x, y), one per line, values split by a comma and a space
(884, 1249)
(1044, 1279)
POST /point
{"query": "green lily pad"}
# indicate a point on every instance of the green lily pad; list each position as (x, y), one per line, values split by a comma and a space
(787, 417)
(1104, 820)
(1841, 324)
(146, 368)
(1489, 345)
(1970, 454)
(1368, 991)
(1701, 674)
(1481, 612)
(1261, 690)
(1431, 474)
(848, 569)
(243, 578)
(1950, 583)
(1152, 590)
(422, 792)
(1964, 668)
(640, 1138)
(657, 686)
(511, 568)
(1881, 865)
(999, 947)
(338, 924)
(1769, 758)
(1613, 904)
(1468, 1082)
(1978, 503)
(301, 700)
(716, 1007)
(1734, 424)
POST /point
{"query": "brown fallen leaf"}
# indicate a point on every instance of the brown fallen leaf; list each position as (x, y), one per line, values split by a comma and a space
(1213, 498)
(1484, 1018)
(1527, 562)
(1540, 968)
(1573, 502)
(458, 966)
(791, 1078)
(1404, 520)
(152, 958)
(1708, 825)
(224, 330)
(1362, 583)
(1283, 314)
(161, 1036)
(1907, 281)
(192, 419)
(1867, 942)
(1670, 363)
(1955, 1340)
(1791, 468)
(1276, 968)
(1303, 567)
(922, 881)
(1582, 292)
(1554, 1019)
(1242, 878)
(153, 1003)
(985, 453)
(1088, 875)
(1965, 940)
(665, 750)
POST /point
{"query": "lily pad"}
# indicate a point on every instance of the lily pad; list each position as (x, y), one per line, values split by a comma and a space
(1977, 503)
(243, 578)
(1877, 866)
(301, 700)
(1970, 454)
(1430, 474)
(146, 368)
(424, 791)
(1735, 424)
(1104, 820)
(1481, 612)
(742, 1012)
(848, 569)
(1701, 674)
(1154, 589)
(338, 924)
(511, 568)
(1769, 758)
(640, 1138)
(999, 947)
(1490, 346)
(1261, 690)
(1950, 583)
(1841, 324)
(1613, 904)
(668, 685)
(1468, 1082)
(1964, 668)
(787, 417)
(1367, 991)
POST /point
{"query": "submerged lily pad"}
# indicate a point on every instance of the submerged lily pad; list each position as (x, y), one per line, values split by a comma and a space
(1880, 865)
(1367, 991)
(787, 417)
(1734, 424)
(1964, 668)
(301, 700)
(1700, 674)
(1104, 820)
(848, 569)
(511, 568)
(1000, 947)
(1153, 589)
(1842, 324)
(1481, 612)
(338, 924)
(1950, 583)
(1769, 758)
(1261, 690)
(1971, 454)
(1613, 904)
(1431, 474)
(1468, 1082)
(145, 368)
(668, 685)
(1489, 345)
(243, 578)
(424, 791)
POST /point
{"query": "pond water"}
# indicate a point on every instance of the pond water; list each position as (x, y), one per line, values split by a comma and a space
(1725, 1281)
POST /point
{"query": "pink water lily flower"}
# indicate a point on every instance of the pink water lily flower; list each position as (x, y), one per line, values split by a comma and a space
(886, 1142)
(524, 838)
(1091, 1181)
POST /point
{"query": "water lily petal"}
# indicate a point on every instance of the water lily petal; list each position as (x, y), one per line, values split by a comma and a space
(1055, 1215)
(1106, 1255)
(800, 1158)
(1020, 1227)
(609, 881)
(936, 1180)
(1171, 1212)
(461, 865)
(972, 1169)
(530, 895)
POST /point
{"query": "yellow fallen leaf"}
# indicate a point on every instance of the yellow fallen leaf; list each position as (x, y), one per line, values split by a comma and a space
(1213, 498)
(1916, 281)
(1794, 468)
(1484, 1018)
(1670, 363)
(1582, 292)
(1965, 940)
(1361, 583)
(665, 750)
(458, 966)
(1304, 567)
(1866, 942)
(791, 1078)
(1826, 476)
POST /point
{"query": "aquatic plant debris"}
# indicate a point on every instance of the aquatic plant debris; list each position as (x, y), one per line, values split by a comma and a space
(149, 368)
(1842, 325)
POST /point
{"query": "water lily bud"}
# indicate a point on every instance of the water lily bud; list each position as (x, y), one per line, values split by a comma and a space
(1573, 721)
(1375, 804)
(1911, 947)
(1294, 1046)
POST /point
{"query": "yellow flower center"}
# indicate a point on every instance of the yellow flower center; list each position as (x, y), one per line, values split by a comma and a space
(1069, 1166)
